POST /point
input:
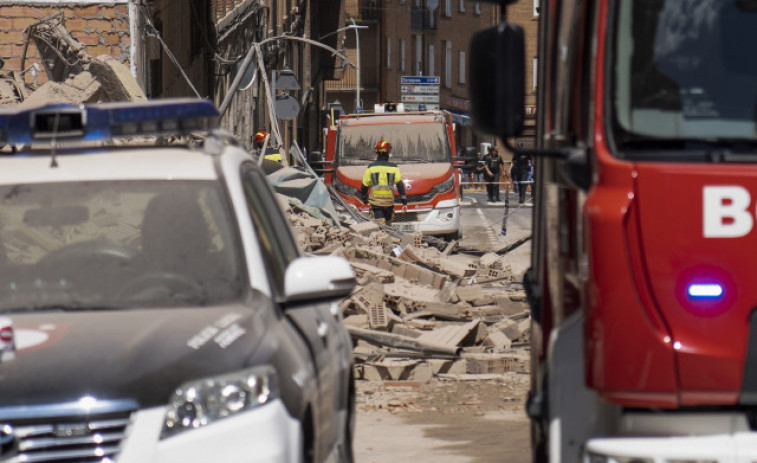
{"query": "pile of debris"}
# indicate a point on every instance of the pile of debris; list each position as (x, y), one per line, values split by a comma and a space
(419, 311)
(73, 75)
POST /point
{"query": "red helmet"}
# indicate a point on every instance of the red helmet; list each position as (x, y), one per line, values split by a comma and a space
(260, 137)
(382, 147)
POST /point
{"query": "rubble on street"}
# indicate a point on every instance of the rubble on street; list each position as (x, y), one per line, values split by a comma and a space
(420, 312)
(73, 76)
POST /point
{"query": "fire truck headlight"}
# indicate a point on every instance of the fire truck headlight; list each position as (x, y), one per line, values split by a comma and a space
(446, 214)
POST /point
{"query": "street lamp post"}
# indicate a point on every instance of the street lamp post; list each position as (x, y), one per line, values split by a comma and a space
(355, 27)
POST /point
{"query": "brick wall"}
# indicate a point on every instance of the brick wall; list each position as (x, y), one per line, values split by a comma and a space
(103, 29)
(522, 13)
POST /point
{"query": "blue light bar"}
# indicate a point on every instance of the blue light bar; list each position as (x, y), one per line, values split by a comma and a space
(705, 290)
(106, 121)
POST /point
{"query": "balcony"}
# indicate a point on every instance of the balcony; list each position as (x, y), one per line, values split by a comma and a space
(369, 79)
(422, 18)
(363, 10)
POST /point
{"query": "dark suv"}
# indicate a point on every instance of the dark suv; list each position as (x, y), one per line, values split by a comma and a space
(158, 307)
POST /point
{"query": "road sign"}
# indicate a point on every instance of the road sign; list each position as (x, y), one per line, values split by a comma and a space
(420, 89)
(420, 80)
(420, 98)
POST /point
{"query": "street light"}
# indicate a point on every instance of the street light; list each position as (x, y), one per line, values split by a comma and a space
(358, 104)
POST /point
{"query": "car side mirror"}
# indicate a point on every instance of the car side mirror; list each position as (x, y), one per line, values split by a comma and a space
(497, 80)
(318, 279)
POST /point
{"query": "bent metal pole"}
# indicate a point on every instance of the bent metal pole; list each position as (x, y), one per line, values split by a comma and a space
(248, 59)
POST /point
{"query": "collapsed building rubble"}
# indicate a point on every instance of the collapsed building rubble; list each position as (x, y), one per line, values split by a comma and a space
(73, 76)
(418, 311)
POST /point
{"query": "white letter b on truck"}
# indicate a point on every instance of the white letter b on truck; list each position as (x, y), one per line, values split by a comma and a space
(725, 212)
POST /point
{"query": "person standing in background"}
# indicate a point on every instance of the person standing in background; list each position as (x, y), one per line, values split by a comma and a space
(492, 168)
(519, 172)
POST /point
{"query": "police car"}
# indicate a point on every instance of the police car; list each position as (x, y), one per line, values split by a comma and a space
(155, 307)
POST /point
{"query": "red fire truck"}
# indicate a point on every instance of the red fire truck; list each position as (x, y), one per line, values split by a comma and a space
(642, 280)
(422, 146)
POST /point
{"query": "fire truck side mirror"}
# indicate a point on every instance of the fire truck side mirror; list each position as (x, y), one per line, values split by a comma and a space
(497, 80)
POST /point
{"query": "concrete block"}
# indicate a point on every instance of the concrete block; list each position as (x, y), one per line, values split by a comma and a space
(375, 373)
(424, 325)
(518, 329)
(410, 254)
(451, 335)
(377, 317)
(115, 77)
(497, 340)
(448, 293)
(458, 367)
(489, 363)
(490, 260)
(423, 373)
(438, 365)
(365, 228)
(509, 307)
(360, 321)
(405, 330)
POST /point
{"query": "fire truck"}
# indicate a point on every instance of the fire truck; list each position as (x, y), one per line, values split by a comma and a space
(423, 144)
(642, 279)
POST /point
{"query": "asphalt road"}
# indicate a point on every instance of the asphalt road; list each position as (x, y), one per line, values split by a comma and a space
(483, 223)
(494, 432)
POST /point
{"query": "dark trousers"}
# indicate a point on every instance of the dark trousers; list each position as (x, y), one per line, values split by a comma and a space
(382, 214)
(520, 186)
(492, 188)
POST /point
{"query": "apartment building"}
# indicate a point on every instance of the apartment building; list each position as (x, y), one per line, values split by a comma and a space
(427, 38)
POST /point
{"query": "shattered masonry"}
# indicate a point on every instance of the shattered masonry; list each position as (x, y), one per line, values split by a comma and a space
(419, 312)
(68, 73)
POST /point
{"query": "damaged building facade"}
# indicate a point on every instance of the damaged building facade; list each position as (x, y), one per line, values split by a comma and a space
(173, 49)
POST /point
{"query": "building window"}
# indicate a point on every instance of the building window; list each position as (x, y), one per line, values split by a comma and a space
(462, 6)
(448, 8)
(388, 53)
(536, 7)
(461, 68)
(402, 55)
(448, 64)
(477, 8)
(418, 55)
(431, 70)
(535, 72)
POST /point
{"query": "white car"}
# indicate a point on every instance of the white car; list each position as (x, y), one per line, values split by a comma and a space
(159, 306)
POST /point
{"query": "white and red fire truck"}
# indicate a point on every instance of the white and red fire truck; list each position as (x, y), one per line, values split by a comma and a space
(422, 146)
(642, 279)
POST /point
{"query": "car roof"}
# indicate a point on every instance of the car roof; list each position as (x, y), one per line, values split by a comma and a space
(143, 163)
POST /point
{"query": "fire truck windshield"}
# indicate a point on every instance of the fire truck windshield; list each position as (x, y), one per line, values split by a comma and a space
(684, 71)
(413, 142)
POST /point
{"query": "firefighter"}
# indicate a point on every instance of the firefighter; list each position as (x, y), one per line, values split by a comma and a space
(270, 153)
(380, 178)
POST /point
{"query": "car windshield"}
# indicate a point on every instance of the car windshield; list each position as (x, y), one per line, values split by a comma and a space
(416, 142)
(684, 72)
(105, 245)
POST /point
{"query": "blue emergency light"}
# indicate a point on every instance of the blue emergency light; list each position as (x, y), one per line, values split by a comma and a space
(705, 290)
(105, 121)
